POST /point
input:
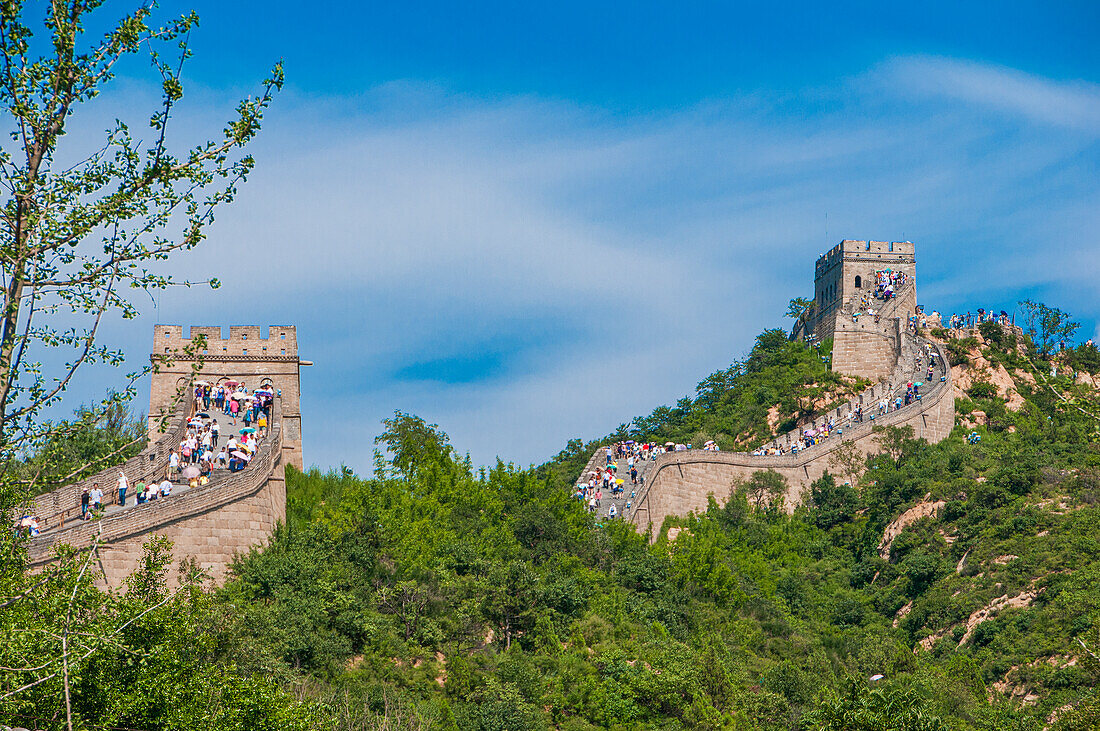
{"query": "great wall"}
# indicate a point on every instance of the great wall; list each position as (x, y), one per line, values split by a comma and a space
(876, 345)
(211, 523)
(237, 511)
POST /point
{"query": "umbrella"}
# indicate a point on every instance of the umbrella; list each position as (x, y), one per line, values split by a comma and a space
(241, 455)
(238, 395)
(670, 444)
(619, 482)
(202, 415)
(190, 473)
(230, 384)
(919, 383)
(248, 430)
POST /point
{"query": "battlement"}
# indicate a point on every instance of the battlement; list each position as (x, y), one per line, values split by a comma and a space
(850, 249)
(244, 341)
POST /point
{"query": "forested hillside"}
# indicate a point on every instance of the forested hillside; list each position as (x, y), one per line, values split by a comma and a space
(768, 392)
(948, 586)
(491, 600)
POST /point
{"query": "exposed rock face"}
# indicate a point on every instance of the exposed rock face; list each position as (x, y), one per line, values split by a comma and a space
(990, 610)
(903, 521)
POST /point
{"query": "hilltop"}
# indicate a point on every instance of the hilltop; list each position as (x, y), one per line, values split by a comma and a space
(963, 573)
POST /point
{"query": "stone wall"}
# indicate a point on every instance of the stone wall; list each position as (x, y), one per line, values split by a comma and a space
(867, 349)
(682, 482)
(210, 524)
(63, 504)
(838, 271)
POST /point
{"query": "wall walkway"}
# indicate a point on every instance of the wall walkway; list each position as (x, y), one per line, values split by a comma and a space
(681, 482)
(210, 524)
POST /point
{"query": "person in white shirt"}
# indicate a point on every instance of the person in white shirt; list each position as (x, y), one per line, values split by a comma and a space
(173, 463)
(166, 488)
(123, 485)
(96, 495)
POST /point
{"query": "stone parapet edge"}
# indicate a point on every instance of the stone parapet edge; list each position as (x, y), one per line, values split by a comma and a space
(930, 401)
(147, 517)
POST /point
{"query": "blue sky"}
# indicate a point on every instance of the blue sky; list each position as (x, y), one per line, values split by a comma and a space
(529, 223)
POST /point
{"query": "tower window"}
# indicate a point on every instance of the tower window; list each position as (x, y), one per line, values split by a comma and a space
(244, 336)
(282, 336)
(859, 282)
(245, 351)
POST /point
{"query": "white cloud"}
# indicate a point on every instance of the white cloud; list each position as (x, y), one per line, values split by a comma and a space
(1072, 104)
(611, 262)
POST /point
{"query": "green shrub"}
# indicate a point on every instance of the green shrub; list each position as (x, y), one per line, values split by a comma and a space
(982, 389)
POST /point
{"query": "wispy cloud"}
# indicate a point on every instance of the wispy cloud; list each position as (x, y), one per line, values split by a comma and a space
(1070, 104)
(524, 270)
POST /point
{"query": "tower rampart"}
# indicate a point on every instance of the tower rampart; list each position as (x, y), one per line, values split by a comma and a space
(863, 329)
(248, 355)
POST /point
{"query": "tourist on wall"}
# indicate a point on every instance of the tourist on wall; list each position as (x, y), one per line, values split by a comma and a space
(122, 487)
(85, 502)
(96, 495)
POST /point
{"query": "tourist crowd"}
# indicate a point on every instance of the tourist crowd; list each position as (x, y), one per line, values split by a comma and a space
(199, 452)
(971, 319)
(888, 282)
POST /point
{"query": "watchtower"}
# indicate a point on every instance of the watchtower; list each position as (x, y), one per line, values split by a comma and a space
(247, 355)
(865, 330)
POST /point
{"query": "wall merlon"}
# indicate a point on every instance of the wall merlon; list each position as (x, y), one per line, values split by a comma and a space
(279, 340)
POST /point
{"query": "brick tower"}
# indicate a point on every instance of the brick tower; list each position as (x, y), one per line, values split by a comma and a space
(843, 277)
(247, 355)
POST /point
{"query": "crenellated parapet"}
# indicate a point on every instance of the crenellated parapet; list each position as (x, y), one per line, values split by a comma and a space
(210, 524)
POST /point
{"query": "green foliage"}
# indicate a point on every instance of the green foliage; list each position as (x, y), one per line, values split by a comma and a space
(142, 658)
(997, 335)
(861, 708)
(831, 504)
(982, 390)
(800, 308)
(958, 350)
(1085, 357)
(732, 405)
(1048, 327)
(492, 600)
(434, 595)
(96, 438)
